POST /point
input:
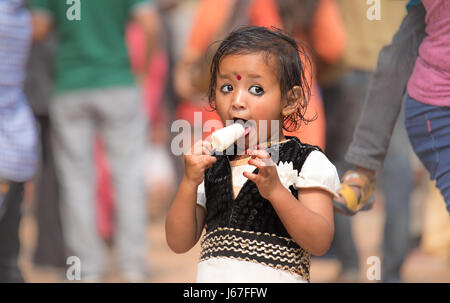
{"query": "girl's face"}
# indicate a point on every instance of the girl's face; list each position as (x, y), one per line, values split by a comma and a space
(248, 89)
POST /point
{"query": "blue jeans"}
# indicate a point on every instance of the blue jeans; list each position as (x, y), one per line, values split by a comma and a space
(429, 133)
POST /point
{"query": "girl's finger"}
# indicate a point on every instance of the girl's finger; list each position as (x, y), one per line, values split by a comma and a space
(205, 150)
(208, 165)
(207, 145)
(197, 148)
(263, 168)
(201, 148)
(263, 161)
(252, 177)
(262, 154)
(209, 159)
(257, 162)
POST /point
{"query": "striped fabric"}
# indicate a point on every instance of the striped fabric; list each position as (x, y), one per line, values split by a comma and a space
(18, 136)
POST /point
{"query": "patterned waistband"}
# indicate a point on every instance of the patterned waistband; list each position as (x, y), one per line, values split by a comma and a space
(267, 249)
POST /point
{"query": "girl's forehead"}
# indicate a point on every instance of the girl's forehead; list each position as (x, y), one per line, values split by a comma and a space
(242, 64)
(267, 58)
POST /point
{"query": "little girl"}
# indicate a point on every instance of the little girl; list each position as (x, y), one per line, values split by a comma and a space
(262, 219)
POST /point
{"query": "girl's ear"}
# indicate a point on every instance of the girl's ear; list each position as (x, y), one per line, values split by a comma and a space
(212, 104)
(293, 100)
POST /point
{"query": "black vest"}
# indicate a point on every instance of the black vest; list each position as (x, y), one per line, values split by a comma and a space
(248, 228)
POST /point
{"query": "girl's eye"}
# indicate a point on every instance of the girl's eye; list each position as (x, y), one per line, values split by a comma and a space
(256, 90)
(226, 88)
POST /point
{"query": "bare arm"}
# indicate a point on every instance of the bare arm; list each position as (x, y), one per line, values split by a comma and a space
(42, 25)
(185, 221)
(148, 20)
(309, 220)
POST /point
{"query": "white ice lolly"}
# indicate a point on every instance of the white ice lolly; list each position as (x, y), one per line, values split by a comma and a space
(226, 136)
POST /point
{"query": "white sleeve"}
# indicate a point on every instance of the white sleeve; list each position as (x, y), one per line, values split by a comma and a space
(318, 172)
(201, 196)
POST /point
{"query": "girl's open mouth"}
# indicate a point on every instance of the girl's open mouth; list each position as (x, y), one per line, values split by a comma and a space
(243, 122)
(246, 131)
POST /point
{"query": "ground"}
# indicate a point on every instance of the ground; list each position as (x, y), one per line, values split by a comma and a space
(166, 266)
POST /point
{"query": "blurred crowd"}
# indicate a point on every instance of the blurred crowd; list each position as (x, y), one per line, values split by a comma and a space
(105, 83)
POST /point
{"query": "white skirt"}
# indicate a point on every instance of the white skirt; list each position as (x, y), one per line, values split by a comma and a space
(227, 270)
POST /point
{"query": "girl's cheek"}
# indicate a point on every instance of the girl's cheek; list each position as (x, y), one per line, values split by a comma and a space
(260, 113)
(221, 112)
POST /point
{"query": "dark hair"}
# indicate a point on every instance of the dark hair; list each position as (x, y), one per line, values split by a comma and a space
(273, 43)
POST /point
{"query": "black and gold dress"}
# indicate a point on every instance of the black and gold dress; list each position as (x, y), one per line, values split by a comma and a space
(245, 241)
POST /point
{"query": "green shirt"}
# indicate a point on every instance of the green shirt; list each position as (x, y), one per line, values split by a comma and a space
(91, 52)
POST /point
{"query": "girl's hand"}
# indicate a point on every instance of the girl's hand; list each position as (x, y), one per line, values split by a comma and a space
(197, 161)
(267, 179)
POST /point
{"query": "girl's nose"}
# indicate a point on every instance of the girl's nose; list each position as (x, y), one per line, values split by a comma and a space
(238, 102)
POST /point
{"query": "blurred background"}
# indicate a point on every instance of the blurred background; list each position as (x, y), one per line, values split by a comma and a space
(344, 45)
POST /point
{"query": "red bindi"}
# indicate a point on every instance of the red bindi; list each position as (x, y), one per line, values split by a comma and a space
(239, 77)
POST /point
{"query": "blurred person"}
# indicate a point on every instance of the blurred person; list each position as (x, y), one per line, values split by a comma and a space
(95, 94)
(160, 102)
(104, 193)
(344, 86)
(18, 135)
(396, 186)
(166, 9)
(426, 105)
(320, 25)
(49, 249)
(272, 212)
(212, 22)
